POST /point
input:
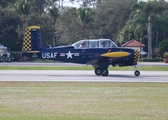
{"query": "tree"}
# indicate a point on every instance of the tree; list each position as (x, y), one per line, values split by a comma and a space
(53, 12)
(7, 3)
(40, 5)
(84, 17)
(68, 30)
(8, 35)
(148, 10)
(110, 17)
(23, 8)
(127, 33)
(163, 46)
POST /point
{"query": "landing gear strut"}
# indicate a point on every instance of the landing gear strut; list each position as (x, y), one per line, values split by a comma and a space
(103, 72)
(136, 73)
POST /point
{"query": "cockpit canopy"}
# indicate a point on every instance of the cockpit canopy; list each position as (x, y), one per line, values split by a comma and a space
(94, 43)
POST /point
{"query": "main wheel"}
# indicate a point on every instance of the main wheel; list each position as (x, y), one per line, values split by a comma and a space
(105, 72)
(137, 73)
(98, 71)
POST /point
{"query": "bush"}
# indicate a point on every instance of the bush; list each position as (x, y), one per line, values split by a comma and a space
(16, 55)
(165, 55)
(151, 60)
(163, 45)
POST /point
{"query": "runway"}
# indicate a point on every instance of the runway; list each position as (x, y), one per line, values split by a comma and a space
(81, 76)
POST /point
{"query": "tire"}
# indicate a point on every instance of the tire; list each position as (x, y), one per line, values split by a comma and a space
(98, 71)
(137, 73)
(105, 72)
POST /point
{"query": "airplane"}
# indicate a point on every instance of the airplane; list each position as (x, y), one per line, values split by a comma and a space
(89, 51)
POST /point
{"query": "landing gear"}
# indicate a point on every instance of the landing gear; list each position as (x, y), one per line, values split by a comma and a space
(136, 73)
(103, 72)
(98, 71)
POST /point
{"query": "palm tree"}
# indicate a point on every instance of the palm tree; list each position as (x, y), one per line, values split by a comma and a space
(145, 11)
(160, 26)
(23, 9)
(84, 17)
(40, 5)
(53, 12)
(127, 33)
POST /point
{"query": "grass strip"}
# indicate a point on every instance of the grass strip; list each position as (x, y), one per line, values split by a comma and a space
(142, 68)
(83, 101)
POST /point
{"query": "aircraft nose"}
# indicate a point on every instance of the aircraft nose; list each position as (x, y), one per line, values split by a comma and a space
(136, 56)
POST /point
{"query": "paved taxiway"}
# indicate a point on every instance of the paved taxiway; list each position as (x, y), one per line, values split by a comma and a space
(82, 76)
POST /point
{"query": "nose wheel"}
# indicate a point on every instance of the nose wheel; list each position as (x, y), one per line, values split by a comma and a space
(137, 72)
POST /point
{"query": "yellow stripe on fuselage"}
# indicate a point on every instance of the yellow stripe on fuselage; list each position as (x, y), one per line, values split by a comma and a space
(116, 54)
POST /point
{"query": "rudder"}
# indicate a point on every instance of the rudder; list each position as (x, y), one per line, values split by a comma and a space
(32, 39)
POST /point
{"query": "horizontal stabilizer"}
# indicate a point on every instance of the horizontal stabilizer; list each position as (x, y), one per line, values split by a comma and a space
(116, 54)
(32, 52)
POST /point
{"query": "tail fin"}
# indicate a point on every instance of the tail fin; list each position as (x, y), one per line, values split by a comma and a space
(32, 39)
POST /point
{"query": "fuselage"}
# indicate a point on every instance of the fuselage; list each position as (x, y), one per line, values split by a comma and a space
(85, 56)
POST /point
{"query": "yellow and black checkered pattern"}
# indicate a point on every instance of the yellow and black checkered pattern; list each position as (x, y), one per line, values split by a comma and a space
(27, 40)
(136, 56)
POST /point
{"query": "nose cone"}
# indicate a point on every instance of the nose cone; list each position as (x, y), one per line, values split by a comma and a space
(136, 56)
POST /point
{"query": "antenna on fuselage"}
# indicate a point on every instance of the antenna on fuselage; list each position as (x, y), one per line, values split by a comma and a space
(48, 44)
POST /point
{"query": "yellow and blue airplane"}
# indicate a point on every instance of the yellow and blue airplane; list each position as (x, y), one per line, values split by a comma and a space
(100, 53)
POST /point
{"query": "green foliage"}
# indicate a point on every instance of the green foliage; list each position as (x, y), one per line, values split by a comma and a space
(39, 4)
(16, 55)
(52, 10)
(9, 22)
(139, 25)
(110, 17)
(113, 19)
(23, 7)
(7, 3)
(152, 60)
(165, 55)
(84, 17)
(68, 31)
(163, 46)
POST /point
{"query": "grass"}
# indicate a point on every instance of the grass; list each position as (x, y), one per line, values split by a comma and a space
(83, 101)
(142, 68)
